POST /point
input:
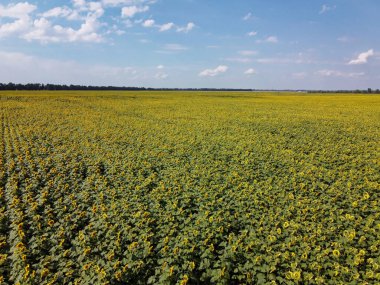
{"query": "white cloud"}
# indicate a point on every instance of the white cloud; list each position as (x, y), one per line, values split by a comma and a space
(169, 26)
(148, 23)
(362, 58)
(166, 27)
(20, 12)
(96, 8)
(130, 11)
(214, 72)
(247, 17)
(15, 27)
(17, 11)
(43, 30)
(160, 66)
(115, 30)
(39, 32)
(326, 8)
(46, 27)
(86, 32)
(270, 39)
(252, 34)
(80, 4)
(58, 12)
(336, 73)
(187, 28)
(250, 71)
(247, 52)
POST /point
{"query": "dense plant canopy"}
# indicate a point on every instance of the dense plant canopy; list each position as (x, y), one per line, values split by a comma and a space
(189, 188)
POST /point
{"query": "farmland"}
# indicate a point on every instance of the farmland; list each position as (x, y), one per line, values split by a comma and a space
(189, 188)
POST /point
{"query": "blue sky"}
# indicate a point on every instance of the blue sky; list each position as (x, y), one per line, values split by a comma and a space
(272, 44)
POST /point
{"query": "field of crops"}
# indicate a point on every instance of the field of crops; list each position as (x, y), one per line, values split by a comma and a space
(189, 188)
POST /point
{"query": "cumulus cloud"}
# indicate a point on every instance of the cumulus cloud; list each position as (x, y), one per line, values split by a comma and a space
(43, 30)
(17, 11)
(86, 32)
(169, 26)
(130, 11)
(250, 71)
(15, 27)
(214, 72)
(115, 30)
(47, 26)
(362, 58)
(326, 8)
(148, 23)
(63, 12)
(40, 32)
(80, 4)
(166, 27)
(187, 28)
(20, 12)
(272, 39)
(96, 9)
(252, 34)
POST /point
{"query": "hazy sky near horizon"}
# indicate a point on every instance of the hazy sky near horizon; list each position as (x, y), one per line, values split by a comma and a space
(271, 44)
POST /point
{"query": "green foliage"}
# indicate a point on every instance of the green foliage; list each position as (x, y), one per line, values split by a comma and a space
(189, 188)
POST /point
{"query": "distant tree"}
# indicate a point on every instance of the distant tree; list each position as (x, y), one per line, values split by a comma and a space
(10, 86)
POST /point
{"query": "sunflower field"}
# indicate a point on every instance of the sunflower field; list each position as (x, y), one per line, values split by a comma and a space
(189, 188)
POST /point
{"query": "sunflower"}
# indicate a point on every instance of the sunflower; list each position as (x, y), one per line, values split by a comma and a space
(336, 253)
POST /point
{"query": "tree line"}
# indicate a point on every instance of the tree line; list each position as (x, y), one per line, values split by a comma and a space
(55, 87)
